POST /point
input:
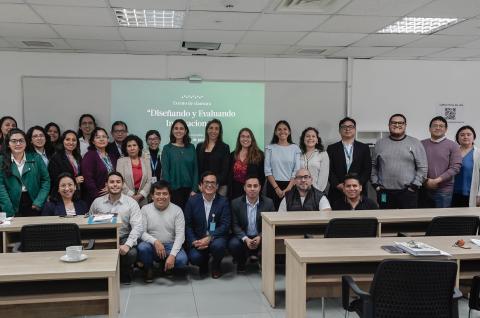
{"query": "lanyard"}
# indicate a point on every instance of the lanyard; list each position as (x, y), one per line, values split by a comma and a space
(154, 165)
(106, 161)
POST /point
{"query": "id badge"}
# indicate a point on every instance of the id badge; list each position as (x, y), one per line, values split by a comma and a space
(212, 227)
(383, 198)
(153, 179)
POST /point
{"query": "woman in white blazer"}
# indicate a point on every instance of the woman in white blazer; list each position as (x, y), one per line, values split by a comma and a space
(135, 169)
(465, 189)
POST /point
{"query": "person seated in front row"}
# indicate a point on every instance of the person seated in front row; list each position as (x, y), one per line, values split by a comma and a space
(304, 196)
(164, 233)
(353, 198)
(247, 222)
(207, 225)
(65, 201)
(127, 209)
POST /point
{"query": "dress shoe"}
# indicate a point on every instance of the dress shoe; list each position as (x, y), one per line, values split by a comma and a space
(241, 268)
(148, 278)
(216, 273)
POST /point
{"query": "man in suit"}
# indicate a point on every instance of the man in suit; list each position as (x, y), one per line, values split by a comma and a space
(247, 222)
(119, 133)
(207, 225)
(347, 156)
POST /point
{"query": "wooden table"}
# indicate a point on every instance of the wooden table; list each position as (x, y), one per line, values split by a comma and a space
(314, 267)
(105, 234)
(277, 226)
(41, 285)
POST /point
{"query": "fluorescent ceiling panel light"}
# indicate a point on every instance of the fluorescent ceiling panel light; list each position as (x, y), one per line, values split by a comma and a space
(149, 18)
(419, 25)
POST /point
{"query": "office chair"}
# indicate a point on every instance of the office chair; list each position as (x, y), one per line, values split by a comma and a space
(50, 237)
(406, 288)
(474, 300)
(451, 226)
(351, 228)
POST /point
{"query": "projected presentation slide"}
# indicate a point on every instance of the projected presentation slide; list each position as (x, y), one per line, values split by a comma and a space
(151, 104)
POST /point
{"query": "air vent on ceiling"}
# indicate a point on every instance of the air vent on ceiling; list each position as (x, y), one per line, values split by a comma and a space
(38, 44)
(195, 46)
(310, 6)
(311, 51)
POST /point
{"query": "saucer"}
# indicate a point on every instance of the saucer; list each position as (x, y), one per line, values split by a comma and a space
(65, 258)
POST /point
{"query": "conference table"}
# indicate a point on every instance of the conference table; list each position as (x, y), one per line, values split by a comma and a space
(106, 235)
(314, 267)
(39, 284)
(278, 226)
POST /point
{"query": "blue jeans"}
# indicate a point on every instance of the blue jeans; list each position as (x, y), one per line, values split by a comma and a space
(442, 199)
(147, 254)
(216, 248)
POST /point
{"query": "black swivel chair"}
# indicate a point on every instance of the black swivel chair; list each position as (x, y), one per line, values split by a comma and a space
(451, 226)
(49, 237)
(351, 228)
(474, 300)
(406, 288)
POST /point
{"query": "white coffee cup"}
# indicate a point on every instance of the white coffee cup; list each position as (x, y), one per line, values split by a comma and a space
(3, 216)
(74, 252)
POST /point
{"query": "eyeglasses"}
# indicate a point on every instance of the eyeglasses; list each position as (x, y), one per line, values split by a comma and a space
(153, 139)
(120, 131)
(305, 177)
(438, 126)
(101, 137)
(212, 183)
(17, 141)
(347, 127)
(397, 123)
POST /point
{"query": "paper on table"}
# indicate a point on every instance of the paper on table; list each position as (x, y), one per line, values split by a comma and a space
(475, 241)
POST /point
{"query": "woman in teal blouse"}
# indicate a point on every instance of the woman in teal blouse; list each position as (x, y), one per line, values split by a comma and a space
(179, 163)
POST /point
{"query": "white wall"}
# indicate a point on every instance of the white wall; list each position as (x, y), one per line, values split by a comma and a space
(414, 88)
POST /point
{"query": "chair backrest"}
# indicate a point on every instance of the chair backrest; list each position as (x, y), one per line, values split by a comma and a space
(413, 288)
(453, 225)
(49, 237)
(351, 227)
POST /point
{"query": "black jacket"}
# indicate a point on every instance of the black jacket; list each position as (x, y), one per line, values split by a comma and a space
(240, 216)
(218, 161)
(57, 165)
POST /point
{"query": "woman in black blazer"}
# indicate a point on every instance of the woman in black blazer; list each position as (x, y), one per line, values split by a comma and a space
(66, 159)
(214, 155)
(66, 199)
(246, 160)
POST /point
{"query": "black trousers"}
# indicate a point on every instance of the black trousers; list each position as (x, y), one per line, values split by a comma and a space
(25, 208)
(272, 195)
(397, 199)
(127, 260)
(180, 197)
(460, 201)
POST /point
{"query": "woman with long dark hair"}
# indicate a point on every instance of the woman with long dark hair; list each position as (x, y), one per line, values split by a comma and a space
(246, 160)
(65, 200)
(214, 155)
(24, 179)
(39, 142)
(282, 160)
(53, 131)
(6, 124)
(314, 158)
(179, 163)
(86, 125)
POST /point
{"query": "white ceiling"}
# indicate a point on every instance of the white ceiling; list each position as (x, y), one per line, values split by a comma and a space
(254, 28)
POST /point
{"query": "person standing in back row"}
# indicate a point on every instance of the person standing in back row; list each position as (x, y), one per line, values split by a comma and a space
(399, 167)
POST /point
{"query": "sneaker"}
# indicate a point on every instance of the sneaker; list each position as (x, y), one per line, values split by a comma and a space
(241, 268)
(148, 276)
(203, 270)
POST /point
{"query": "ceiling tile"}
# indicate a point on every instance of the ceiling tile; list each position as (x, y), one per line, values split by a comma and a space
(153, 46)
(12, 1)
(260, 49)
(457, 52)
(294, 50)
(272, 38)
(449, 9)
(472, 45)
(27, 30)
(361, 52)
(330, 39)
(145, 34)
(358, 24)
(219, 20)
(239, 6)
(392, 8)
(288, 22)
(4, 43)
(19, 13)
(444, 41)
(213, 36)
(59, 44)
(96, 45)
(77, 15)
(387, 40)
(469, 27)
(87, 32)
(150, 4)
(411, 52)
(76, 3)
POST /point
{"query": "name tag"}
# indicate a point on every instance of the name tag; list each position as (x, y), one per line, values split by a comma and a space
(212, 224)
(383, 198)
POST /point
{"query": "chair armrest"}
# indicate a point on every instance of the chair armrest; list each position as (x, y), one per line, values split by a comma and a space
(473, 301)
(17, 247)
(90, 245)
(347, 284)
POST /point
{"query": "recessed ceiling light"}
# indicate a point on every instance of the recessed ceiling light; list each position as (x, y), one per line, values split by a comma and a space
(419, 25)
(149, 18)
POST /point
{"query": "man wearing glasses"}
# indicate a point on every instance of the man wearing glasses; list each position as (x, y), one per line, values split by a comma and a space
(399, 167)
(346, 157)
(303, 196)
(119, 133)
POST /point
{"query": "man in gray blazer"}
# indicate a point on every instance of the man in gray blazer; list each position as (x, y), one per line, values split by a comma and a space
(247, 222)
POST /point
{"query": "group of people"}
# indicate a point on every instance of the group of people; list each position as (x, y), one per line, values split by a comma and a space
(185, 204)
